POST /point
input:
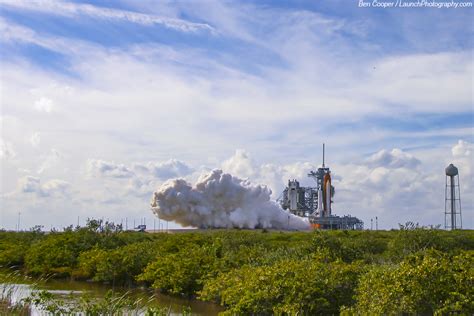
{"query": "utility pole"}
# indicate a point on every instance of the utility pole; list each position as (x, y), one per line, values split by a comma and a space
(376, 223)
(19, 216)
(371, 224)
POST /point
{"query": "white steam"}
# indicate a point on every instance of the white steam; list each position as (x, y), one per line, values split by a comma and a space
(220, 200)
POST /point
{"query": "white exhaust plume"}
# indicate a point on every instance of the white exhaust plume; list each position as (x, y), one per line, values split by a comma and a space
(220, 200)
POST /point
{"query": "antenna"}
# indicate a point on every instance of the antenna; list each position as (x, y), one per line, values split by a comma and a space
(323, 155)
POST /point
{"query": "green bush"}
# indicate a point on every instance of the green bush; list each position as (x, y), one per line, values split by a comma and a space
(58, 252)
(295, 287)
(408, 241)
(181, 272)
(118, 266)
(55, 254)
(425, 283)
(15, 245)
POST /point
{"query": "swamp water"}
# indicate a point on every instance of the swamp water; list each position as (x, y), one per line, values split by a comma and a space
(68, 291)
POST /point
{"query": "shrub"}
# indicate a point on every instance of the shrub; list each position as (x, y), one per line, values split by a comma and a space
(428, 282)
(118, 266)
(409, 241)
(56, 254)
(306, 287)
(181, 272)
(15, 245)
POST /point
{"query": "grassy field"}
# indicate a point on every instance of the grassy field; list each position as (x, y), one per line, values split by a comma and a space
(411, 270)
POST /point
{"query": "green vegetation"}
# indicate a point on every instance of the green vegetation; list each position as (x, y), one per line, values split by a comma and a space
(425, 283)
(408, 271)
(8, 291)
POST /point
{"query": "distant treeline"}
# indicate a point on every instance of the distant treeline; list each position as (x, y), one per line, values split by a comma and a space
(408, 271)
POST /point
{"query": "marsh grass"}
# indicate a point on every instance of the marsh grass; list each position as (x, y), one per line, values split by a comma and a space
(111, 304)
(8, 305)
(11, 292)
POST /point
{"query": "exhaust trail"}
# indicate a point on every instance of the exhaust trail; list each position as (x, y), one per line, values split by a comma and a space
(220, 200)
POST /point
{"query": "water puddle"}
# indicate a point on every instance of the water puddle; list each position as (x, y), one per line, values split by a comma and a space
(70, 291)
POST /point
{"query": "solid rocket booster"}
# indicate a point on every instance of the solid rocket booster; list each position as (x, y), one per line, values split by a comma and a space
(320, 202)
(327, 194)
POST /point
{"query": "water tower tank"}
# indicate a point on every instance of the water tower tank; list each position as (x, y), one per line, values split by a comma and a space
(451, 170)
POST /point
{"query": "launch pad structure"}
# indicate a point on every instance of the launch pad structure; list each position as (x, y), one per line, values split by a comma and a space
(315, 202)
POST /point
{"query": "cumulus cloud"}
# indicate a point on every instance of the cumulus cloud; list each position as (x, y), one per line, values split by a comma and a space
(50, 160)
(51, 188)
(164, 170)
(395, 195)
(44, 105)
(462, 158)
(55, 187)
(102, 168)
(140, 187)
(396, 158)
(274, 176)
(6, 150)
(240, 164)
(29, 184)
(35, 139)
(142, 178)
(462, 149)
(160, 170)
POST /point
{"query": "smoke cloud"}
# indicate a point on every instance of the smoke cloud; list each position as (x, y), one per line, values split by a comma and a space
(220, 200)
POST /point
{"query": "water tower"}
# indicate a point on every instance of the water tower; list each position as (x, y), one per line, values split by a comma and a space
(452, 201)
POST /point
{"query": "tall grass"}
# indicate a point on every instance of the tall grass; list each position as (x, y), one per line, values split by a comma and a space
(11, 293)
(112, 304)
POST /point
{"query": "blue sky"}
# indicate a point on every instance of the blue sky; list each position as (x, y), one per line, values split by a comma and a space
(92, 91)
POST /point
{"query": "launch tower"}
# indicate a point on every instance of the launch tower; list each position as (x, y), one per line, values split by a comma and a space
(315, 202)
